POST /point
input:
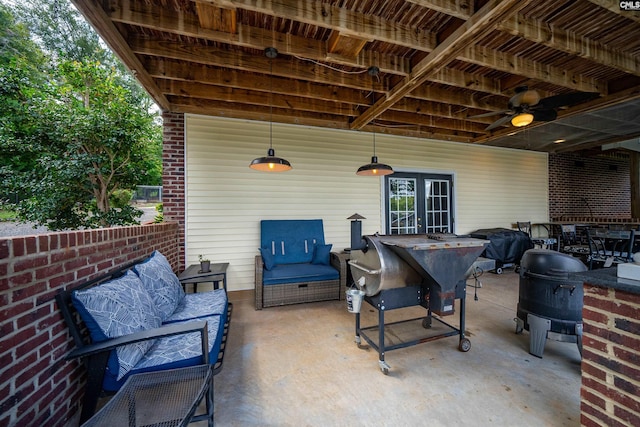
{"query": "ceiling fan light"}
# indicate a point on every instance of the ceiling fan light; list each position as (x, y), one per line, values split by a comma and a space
(522, 119)
(374, 168)
(270, 163)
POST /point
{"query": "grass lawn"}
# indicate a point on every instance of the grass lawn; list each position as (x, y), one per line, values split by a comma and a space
(6, 215)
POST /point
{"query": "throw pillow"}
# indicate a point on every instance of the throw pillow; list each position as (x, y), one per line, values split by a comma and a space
(268, 258)
(161, 283)
(321, 254)
(115, 308)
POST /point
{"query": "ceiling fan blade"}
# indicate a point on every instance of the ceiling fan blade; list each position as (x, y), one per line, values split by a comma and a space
(492, 113)
(566, 99)
(504, 120)
(528, 97)
(544, 115)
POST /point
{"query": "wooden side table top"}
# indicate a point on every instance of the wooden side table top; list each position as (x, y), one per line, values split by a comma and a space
(217, 273)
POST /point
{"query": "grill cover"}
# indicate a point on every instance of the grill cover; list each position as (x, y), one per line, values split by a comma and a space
(507, 246)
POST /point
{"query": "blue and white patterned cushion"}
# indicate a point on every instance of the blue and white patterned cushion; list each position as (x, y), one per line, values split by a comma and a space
(177, 348)
(175, 352)
(115, 308)
(161, 283)
(202, 304)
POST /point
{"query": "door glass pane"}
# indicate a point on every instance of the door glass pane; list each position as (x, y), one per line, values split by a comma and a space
(402, 206)
(437, 206)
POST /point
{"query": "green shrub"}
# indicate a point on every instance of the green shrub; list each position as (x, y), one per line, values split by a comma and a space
(120, 198)
(160, 217)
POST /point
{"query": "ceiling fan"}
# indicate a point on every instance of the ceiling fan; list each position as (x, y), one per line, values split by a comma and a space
(526, 106)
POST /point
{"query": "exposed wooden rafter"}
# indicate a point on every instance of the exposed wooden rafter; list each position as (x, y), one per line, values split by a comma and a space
(479, 24)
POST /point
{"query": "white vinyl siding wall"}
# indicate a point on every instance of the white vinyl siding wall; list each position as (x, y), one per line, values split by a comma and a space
(226, 200)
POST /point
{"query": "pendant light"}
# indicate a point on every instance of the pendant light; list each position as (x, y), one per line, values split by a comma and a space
(374, 168)
(270, 163)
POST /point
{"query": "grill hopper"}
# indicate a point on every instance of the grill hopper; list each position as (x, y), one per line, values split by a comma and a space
(407, 260)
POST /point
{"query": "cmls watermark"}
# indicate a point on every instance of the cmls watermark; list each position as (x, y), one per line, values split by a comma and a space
(630, 5)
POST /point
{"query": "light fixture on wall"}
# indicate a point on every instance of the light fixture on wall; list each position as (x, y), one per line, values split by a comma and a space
(374, 168)
(270, 163)
(522, 119)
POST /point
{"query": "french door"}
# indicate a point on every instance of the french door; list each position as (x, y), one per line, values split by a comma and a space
(419, 203)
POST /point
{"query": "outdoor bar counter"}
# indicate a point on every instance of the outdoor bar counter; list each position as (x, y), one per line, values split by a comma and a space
(610, 391)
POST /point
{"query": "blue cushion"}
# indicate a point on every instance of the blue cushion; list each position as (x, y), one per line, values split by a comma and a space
(202, 304)
(161, 282)
(291, 241)
(176, 351)
(321, 254)
(295, 273)
(115, 308)
(267, 258)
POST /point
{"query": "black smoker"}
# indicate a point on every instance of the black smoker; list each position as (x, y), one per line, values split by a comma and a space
(414, 270)
(549, 304)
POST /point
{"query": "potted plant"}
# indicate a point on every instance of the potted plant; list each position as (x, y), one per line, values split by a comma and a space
(205, 264)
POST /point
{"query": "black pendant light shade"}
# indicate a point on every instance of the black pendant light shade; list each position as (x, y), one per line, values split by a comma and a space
(270, 163)
(374, 168)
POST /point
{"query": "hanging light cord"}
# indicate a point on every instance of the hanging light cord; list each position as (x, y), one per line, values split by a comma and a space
(313, 61)
(373, 72)
(270, 103)
(374, 143)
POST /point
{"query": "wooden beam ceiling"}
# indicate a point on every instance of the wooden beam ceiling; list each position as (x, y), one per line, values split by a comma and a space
(441, 62)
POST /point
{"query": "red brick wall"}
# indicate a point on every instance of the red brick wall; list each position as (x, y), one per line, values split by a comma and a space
(588, 187)
(610, 392)
(173, 174)
(37, 386)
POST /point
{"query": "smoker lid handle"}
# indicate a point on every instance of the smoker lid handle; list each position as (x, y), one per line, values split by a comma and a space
(551, 274)
(365, 269)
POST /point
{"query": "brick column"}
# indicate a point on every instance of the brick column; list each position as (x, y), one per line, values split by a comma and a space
(610, 392)
(173, 175)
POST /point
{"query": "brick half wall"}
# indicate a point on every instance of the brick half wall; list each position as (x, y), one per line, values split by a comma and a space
(610, 392)
(37, 386)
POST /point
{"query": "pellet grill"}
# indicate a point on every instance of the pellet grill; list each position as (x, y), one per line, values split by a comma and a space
(400, 271)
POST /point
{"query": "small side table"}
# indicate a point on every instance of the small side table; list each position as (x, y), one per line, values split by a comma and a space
(216, 274)
(168, 398)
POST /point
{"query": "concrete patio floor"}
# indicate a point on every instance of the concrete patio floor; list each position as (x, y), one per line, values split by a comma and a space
(299, 366)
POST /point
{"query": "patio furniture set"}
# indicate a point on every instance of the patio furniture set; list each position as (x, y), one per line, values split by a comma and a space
(158, 348)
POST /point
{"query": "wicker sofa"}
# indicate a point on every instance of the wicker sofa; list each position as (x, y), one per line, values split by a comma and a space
(295, 265)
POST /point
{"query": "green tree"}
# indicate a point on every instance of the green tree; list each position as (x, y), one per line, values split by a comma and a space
(96, 140)
(66, 35)
(74, 131)
(153, 165)
(23, 84)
